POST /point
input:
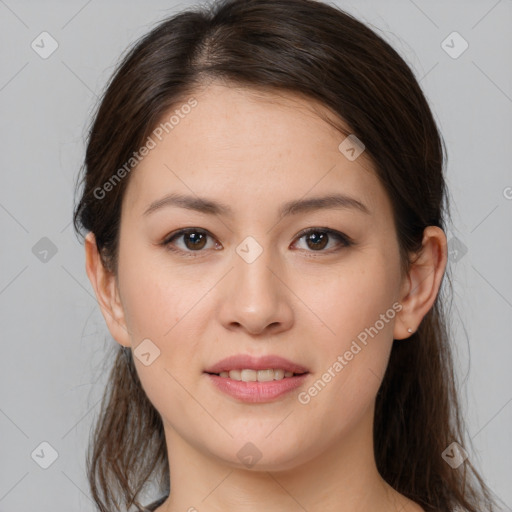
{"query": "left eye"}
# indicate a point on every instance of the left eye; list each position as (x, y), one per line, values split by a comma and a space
(318, 237)
(195, 239)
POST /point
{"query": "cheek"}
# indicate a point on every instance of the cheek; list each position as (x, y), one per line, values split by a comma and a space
(357, 316)
(161, 305)
(154, 296)
(352, 298)
(148, 303)
(156, 308)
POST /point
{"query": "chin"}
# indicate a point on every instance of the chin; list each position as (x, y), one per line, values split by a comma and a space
(263, 454)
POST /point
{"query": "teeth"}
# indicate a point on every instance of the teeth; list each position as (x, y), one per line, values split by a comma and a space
(253, 375)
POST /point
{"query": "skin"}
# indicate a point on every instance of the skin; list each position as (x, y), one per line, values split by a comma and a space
(255, 151)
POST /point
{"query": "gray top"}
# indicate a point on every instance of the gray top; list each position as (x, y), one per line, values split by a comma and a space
(153, 506)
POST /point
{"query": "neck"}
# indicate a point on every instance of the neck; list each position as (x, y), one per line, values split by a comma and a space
(341, 478)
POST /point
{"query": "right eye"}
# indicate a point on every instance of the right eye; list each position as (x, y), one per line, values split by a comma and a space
(194, 240)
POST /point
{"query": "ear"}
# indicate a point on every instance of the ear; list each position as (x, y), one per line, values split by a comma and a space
(421, 286)
(107, 293)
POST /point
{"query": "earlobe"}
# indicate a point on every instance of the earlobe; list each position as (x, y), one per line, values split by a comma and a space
(107, 294)
(423, 282)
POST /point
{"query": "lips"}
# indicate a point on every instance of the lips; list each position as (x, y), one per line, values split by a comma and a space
(245, 361)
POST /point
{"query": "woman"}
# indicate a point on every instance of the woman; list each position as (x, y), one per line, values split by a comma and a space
(265, 206)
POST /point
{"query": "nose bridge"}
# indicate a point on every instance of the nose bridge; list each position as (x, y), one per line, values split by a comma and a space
(255, 297)
(253, 263)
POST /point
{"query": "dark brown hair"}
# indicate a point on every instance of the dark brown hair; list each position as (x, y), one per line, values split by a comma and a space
(318, 51)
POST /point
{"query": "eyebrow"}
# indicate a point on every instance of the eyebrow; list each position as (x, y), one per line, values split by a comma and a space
(211, 207)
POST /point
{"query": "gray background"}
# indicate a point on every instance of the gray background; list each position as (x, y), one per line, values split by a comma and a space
(53, 335)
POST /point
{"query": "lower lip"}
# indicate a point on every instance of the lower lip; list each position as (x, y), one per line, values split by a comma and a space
(257, 392)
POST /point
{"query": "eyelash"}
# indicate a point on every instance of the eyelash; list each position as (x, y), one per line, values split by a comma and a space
(344, 239)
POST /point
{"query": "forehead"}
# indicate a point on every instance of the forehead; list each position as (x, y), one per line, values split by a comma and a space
(239, 143)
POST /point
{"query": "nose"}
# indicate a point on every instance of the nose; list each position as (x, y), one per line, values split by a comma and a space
(256, 296)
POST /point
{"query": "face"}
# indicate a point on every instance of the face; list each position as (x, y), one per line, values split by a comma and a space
(245, 280)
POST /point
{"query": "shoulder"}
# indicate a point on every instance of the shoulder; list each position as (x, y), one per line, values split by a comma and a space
(413, 506)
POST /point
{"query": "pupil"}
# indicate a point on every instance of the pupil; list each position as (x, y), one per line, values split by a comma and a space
(322, 236)
(195, 238)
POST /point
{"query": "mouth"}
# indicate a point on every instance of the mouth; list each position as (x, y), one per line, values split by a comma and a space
(256, 379)
(249, 367)
(257, 386)
(250, 375)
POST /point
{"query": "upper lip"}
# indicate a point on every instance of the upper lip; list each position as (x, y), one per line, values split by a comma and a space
(246, 361)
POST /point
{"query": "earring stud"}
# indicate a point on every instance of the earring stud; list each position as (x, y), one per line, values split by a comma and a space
(409, 330)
